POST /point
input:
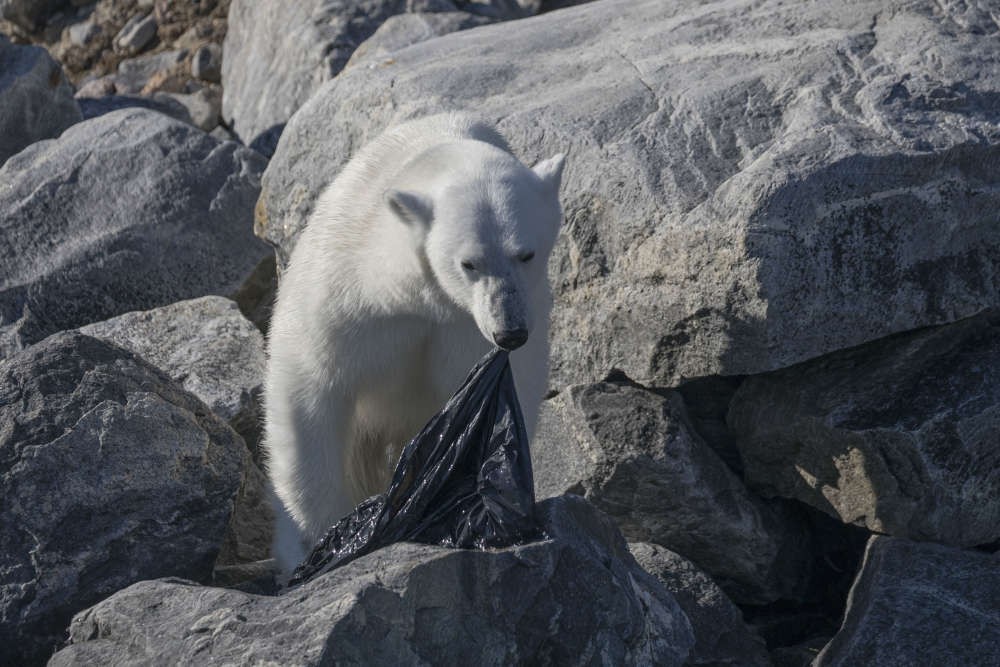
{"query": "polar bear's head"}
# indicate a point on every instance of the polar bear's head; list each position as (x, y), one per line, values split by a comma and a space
(485, 225)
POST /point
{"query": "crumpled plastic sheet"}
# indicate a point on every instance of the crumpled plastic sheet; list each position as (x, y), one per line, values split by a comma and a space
(464, 481)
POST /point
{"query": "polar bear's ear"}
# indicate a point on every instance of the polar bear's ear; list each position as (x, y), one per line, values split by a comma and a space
(550, 170)
(410, 207)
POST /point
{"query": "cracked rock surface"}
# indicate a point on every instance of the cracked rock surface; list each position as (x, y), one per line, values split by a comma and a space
(634, 454)
(899, 436)
(109, 474)
(749, 184)
(414, 604)
(916, 603)
(206, 346)
(721, 637)
(137, 207)
(36, 101)
(279, 53)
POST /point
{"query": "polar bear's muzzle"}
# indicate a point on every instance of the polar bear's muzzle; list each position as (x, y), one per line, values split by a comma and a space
(501, 314)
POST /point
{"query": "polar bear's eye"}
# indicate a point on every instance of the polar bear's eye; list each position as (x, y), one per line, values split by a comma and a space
(468, 266)
(526, 257)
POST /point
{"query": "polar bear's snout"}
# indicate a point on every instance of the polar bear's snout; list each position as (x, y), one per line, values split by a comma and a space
(501, 312)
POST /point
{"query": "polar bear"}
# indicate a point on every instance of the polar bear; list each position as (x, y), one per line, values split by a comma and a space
(427, 249)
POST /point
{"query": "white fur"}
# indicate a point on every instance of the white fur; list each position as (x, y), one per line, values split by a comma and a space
(377, 322)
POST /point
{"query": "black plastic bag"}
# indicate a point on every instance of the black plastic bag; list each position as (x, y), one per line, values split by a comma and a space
(464, 481)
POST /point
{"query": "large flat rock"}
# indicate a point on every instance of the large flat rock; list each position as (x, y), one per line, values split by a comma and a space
(206, 346)
(919, 604)
(128, 211)
(278, 53)
(36, 101)
(576, 598)
(109, 474)
(899, 436)
(749, 184)
(635, 455)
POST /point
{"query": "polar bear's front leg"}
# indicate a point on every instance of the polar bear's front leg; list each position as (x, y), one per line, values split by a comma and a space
(307, 455)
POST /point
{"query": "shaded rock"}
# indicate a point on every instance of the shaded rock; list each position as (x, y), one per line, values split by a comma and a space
(503, 10)
(207, 347)
(721, 636)
(278, 54)
(92, 107)
(897, 435)
(749, 185)
(249, 535)
(402, 30)
(136, 34)
(206, 64)
(128, 211)
(415, 604)
(110, 474)
(83, 33)
(800, 655)
(919, 604)
(203, 106)
(36, 102)
(634, 454)
(29, 14)
(257, 293)
(135, 73)
(99, 87)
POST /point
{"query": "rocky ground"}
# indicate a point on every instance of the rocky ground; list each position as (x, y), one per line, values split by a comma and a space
(771, 436)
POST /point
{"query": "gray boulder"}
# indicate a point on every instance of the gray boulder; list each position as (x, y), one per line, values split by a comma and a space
(634, 454)
(206, 64)
(92, 107)
(133, 74)
(127, 211)
(136, 34)
(402, 30)
(919, 604)
(29, 14)
(277, 54)
(722, 639)
(749, 184)
(109, 474)
(207, 347)
(36, 101)
(899, 436)
(576, 598)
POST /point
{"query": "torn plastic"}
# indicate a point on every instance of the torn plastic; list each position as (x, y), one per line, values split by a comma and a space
(464, 481)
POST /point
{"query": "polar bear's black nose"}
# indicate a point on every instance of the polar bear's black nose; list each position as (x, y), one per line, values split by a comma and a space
(512, 339)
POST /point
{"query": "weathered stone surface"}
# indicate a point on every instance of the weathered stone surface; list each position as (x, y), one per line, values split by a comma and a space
(919, 604)
(133, 74)
(203, 106)
(92, 107)
(29, 14)
(128, 211)
(206, 64)
(721, 636)
(501, 9)
(414, 604)
(83, 33)
(136, 34)
(206, 346)
(36, 101)
(899, 435)
(634, 454)
(278, 54)
(109, 474)
(749, 184)
(402, 30)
